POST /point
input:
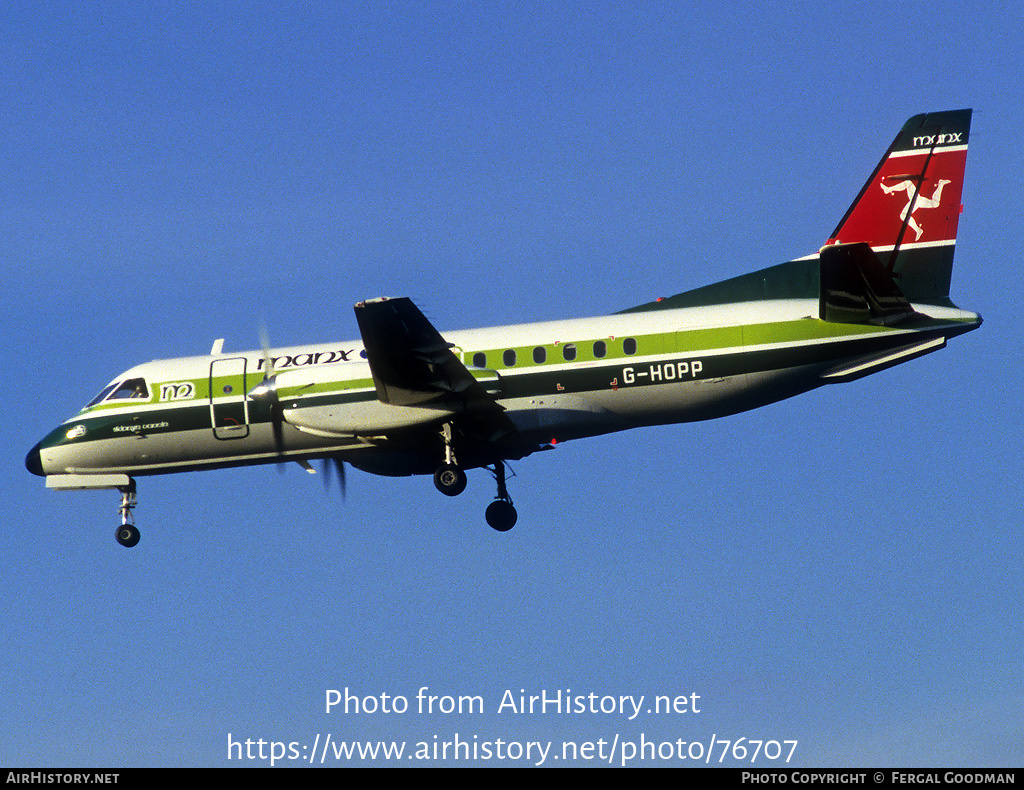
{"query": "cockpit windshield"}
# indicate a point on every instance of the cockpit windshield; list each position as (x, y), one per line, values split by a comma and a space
(122, 390)
(102, 395)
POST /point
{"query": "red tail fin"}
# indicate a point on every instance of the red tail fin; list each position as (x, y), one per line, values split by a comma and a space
(913, 197)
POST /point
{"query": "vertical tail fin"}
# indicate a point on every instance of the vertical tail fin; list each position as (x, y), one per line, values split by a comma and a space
(909, 209)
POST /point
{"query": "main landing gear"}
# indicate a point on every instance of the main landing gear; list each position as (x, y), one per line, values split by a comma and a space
(501, 513)
(450, 480)
(127, 534)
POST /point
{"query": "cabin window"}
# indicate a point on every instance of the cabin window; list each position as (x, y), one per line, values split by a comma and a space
(509, 357)
(480, 360)
(540, 355)
(569, 352)
(629, 346)
(600, 348)
(134, 389)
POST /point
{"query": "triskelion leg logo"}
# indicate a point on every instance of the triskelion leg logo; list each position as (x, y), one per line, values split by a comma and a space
(915, 200)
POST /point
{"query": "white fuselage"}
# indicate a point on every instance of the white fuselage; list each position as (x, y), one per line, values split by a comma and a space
(555, 381)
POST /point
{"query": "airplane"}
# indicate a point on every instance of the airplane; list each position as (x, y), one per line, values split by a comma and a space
(405, 399)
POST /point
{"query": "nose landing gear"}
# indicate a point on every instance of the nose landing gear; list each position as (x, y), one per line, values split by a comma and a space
(127, 534)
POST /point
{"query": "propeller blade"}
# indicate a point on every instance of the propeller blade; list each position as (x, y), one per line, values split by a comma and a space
(268, 361)
(277, 422)
(339, 473)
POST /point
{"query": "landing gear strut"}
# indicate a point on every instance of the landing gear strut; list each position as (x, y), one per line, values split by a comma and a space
(449, 479)
(127, 534)
(501, 513)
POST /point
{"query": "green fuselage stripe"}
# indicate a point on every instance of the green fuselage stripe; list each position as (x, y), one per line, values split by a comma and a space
(113, 420)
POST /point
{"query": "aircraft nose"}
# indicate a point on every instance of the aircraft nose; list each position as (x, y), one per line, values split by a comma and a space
(34, 463)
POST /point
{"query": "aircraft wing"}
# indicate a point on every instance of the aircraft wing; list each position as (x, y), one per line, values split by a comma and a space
(413, 365)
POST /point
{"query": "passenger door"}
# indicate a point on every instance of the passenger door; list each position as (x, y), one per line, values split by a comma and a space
(229, 406)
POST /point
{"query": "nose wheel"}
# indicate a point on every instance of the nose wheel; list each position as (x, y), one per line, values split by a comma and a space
(127, 534)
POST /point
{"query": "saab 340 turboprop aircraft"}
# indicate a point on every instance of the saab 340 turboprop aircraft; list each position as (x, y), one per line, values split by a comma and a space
(406, 399)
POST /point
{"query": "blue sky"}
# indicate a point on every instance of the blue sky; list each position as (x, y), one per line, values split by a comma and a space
(841, 569)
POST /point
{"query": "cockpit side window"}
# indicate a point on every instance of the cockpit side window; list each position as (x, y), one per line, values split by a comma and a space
(135, 389)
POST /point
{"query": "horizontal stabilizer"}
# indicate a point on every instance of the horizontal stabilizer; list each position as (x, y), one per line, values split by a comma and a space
(856, 288)
(867, 365)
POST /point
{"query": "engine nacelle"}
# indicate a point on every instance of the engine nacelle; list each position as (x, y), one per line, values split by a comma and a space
(362, 418)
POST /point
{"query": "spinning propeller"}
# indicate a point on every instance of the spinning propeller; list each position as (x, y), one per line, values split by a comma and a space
(266, 392)
(339, 472)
